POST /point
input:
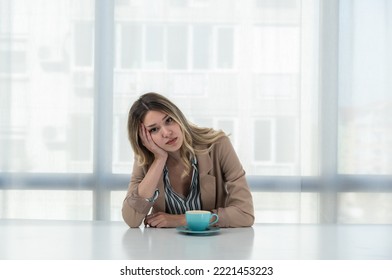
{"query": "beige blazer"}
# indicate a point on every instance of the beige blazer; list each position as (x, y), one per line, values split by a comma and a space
(223, 189)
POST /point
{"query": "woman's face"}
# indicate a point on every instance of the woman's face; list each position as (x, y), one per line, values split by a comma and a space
(164, 131)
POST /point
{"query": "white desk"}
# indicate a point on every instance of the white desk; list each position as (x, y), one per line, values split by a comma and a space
(64, 240)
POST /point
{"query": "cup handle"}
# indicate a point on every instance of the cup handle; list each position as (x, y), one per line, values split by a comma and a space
(215, 221)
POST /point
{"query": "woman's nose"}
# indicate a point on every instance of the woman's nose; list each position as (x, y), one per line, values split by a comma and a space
(165, 131)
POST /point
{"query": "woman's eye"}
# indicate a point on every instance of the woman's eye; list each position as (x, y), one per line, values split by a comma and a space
(169, 120)
(152, 130)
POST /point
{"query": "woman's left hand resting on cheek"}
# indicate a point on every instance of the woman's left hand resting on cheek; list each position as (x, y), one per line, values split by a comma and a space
(163, 220)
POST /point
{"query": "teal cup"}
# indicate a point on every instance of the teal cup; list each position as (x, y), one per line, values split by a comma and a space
(199, 220)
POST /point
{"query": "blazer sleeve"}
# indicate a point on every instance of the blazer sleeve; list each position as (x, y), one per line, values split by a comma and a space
(135, 208)
(237, 210)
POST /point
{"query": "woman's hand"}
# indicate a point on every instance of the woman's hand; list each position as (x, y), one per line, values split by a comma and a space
(149, 143)
(164, 220)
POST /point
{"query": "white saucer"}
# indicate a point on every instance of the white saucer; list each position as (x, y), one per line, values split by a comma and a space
(208, 231)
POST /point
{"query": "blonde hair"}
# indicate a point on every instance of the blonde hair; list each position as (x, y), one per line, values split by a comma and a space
(196, 139)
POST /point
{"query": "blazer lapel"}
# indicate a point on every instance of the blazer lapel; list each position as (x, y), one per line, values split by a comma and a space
(207, 182)
(207, 186)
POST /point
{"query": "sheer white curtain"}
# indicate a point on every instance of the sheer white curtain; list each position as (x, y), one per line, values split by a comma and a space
(302, 87)
(47, 109)
(364, 110)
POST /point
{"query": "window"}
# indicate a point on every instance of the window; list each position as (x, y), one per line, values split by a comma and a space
(202, 47)
(83, 36)
(131, 46)
(275, 141)
(301, 86)
(17, 55)
(177, 46)
(225, 47)
(154, 37)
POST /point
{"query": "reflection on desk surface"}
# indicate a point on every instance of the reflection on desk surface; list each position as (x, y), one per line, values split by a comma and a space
(169, 244)
(32, 239)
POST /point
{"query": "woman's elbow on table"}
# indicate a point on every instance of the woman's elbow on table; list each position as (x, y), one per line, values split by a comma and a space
(131, 217)
(249, 220)
(246, 220)
(234, 218)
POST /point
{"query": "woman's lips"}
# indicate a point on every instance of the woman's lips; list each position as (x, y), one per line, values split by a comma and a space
(171, 142)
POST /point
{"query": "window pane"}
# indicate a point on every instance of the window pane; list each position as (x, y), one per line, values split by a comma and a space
(277, 86)
(226, 125)
(131, 46)
(189, 54)
(286, 140)
(116, 201)
(282, 207)
(15, 60)
(83, 37)
(201, 47)
(277, 49)
(191, 85)
(80, 144)
(365, 208)
(365, 115)
(177, 47)
(283, 4)
(263, 140)
(154, 46)
(225, 48)
(46, 204)
(46, 83)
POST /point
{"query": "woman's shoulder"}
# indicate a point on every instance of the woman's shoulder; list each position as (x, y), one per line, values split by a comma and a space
(223, 140)
(222, 144)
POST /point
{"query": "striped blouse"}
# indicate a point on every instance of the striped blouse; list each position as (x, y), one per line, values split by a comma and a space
(176, 204)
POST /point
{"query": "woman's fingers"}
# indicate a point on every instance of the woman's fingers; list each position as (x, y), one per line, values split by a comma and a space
(161, 219)
(149, 143)
(146, 137)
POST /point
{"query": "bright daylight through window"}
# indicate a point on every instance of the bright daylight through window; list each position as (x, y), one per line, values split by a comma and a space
(307, 118)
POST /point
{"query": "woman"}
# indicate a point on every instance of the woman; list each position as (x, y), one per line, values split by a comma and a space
(180, 167)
